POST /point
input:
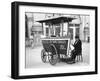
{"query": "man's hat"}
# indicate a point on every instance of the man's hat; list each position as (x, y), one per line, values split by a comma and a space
(76, 36)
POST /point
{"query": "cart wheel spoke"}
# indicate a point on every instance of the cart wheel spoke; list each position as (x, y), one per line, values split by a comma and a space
(53, 57)
(43, 55)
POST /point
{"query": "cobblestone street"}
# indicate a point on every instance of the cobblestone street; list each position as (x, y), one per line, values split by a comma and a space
(33, 58)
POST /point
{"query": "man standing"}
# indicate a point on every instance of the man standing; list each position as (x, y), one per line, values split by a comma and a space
(77, 48)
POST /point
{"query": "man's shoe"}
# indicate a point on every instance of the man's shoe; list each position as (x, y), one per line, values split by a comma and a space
(71, 62)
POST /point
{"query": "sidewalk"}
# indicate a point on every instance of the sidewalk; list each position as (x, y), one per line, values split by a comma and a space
(33, 58)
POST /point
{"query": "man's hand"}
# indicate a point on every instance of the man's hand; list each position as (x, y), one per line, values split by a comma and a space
(71, 46)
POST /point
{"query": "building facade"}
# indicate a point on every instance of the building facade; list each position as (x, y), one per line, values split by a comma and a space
(34, 30)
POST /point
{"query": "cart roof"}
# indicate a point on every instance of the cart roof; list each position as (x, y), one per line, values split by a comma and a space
(57, 20)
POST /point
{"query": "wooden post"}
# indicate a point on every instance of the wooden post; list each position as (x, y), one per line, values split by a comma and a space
(49, 30)
(68, 29)
(44, 29)
(62, 28)
(54, 29)
(61, 24)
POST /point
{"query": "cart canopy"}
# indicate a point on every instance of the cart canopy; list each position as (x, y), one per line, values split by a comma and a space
(57, 20)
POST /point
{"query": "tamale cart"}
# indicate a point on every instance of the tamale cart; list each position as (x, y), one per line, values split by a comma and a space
(56, 43)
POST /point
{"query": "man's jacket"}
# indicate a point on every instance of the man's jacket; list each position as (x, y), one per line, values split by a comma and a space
(78, 45)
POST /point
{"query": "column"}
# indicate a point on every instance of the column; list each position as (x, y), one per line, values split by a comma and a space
(29, 29)
(82, 28)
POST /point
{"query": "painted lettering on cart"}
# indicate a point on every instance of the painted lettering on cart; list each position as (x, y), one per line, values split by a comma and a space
(54, 41)
(62, 47)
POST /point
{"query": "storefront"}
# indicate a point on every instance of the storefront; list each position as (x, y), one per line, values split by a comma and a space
(58, 26)
(74, 30)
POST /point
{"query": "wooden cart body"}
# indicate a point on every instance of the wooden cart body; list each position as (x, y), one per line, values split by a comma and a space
(61, 44)
(55, 47)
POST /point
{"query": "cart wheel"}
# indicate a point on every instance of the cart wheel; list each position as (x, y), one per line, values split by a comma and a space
(53, 57)
(43, 55)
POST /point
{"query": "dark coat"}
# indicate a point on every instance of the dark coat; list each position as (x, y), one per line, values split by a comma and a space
(78, 46)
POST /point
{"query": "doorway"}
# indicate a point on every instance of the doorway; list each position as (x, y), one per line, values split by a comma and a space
(74, 31)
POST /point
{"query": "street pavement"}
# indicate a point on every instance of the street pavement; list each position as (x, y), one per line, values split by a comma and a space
(33, 58)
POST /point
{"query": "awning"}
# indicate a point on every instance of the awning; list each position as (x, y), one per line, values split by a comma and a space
(57, 20)
(37, 28)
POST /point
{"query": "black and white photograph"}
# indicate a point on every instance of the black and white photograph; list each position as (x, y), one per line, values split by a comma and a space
(56, 40)
(51, 40)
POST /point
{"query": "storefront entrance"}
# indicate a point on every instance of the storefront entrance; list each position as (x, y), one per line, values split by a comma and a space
(73, 32)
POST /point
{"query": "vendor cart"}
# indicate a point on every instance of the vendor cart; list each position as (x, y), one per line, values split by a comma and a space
(55, 45)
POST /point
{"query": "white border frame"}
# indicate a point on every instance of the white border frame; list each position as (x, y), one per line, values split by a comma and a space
(53, 70)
